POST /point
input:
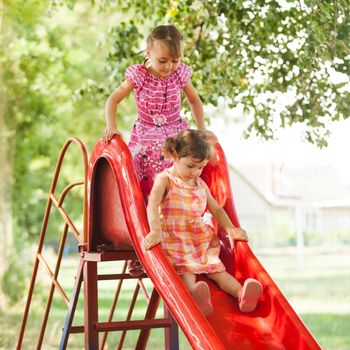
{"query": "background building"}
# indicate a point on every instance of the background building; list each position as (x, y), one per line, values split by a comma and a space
(309, 205)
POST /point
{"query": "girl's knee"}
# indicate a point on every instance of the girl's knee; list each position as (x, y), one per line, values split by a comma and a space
(189, 280)
(216, 276)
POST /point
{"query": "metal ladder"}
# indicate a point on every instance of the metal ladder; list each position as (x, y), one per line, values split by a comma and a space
(88, 276)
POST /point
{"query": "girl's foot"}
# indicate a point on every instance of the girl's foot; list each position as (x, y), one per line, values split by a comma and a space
(201, 295)
(135, 268)
(250, 293)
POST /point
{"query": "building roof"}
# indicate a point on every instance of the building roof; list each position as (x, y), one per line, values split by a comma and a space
(314, 185)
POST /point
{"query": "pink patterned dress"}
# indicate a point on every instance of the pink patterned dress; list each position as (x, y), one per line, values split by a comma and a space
(189, 243)
(158, 102)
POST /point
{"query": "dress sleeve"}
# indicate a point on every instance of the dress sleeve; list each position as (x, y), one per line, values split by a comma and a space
(184, 74)
(135, 74)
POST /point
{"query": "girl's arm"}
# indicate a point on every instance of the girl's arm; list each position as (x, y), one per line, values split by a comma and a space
(197, 109)
(116, 97)
(157, 194)
(196, 104)
(233, 233)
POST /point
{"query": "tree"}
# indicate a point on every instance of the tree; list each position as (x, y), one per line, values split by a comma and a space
(41, 67)
(40, 71)
(5, 196)
(45, 55)
(250, 52)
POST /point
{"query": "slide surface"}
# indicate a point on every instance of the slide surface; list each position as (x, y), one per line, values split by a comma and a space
(117, 216)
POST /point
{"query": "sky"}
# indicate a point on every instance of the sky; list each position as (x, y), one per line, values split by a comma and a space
(289, 149)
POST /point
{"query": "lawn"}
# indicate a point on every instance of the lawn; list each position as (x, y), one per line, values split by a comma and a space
(317, 288)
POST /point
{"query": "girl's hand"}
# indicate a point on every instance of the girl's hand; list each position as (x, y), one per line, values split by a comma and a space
(236, 234)
(152, 239)
(109, 132)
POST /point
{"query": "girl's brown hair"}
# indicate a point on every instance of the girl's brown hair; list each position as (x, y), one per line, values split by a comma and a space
(170, 36)
(189, 143)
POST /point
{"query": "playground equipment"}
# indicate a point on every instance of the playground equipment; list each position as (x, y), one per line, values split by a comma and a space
(114, 225)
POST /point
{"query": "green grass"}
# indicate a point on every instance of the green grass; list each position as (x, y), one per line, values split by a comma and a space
(318, 291)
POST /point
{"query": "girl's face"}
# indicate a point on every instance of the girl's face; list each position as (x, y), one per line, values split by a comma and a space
(189, 168)
(162, 62)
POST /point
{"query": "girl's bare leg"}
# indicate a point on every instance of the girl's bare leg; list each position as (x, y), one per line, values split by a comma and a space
(189, 280)
(226, 282)
(247, 295)
(200, 292)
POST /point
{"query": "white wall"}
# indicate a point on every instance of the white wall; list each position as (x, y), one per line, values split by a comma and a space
(270, 226)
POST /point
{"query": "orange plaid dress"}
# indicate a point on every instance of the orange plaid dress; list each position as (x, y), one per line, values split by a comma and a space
(189, 243)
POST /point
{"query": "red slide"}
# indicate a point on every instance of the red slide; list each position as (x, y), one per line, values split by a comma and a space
(118, 217)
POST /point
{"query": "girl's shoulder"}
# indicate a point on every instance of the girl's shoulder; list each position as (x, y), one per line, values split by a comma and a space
(201, 183)
(136, 74)
(184, 73)
(137, 68)
(184, 68)
(162, 176)
(168, 176)
(162, 183)
(175, 181)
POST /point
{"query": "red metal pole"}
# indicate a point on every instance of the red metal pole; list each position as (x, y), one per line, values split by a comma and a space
(128, 317)
(49, 298)
(72, 306)
(150, 314)
(111, 312)
(45, 223)
(34, 273)
(90, 305)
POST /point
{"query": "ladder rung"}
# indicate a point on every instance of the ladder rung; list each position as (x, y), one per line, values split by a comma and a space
(136, 324)
(125, 325)
(109, 255)
(119, 276)
(76, 329)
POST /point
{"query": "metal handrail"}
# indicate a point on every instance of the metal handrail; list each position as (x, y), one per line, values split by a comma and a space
(68, 222)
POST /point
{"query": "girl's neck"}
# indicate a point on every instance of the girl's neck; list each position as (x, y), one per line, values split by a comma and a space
(151, 71)
(175, 173)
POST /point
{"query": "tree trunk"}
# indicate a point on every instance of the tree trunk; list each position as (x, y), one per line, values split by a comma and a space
(6, 182)
(6, 233)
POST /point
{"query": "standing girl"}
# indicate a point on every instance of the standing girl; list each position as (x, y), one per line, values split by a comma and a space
(158, 84)
(175, 208)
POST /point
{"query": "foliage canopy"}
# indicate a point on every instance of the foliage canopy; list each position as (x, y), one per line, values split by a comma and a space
(252, 52)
